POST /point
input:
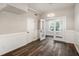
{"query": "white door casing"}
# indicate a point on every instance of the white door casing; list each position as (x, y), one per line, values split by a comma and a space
(42, 29)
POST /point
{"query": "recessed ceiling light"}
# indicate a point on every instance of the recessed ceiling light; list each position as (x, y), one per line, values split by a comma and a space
(50, 15)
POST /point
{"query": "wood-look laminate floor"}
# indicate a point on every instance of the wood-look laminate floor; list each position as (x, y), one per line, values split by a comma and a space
(47, 47)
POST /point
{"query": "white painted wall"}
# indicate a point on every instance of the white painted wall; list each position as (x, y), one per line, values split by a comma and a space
(68, 35)
(77, 26)
(32, 25)
(68, 12)
(14, 30)
(12, 41)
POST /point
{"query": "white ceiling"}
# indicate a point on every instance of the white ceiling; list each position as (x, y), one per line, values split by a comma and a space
(37, 7)
(47, 7)
(12, 9)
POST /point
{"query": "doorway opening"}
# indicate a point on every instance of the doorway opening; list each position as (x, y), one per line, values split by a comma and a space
(54, 27)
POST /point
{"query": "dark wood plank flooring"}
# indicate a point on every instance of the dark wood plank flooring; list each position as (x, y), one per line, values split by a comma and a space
(47, 47)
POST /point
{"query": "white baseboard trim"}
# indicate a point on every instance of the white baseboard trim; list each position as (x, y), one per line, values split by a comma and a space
(9, 42)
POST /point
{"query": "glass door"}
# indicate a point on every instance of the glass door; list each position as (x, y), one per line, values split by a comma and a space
(56, 27)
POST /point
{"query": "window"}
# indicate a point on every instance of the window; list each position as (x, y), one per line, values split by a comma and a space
(51, 26)
(56, 25)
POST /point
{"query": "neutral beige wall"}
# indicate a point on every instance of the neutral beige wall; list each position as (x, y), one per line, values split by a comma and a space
(77, 17)
(14, 29)
(12, 23)
(69, 13)
(76, 10)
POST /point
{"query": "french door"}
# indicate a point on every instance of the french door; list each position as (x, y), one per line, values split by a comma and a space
(56, 27)
(53, 26)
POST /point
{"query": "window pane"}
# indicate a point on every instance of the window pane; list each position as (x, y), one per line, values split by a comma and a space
(57, 26)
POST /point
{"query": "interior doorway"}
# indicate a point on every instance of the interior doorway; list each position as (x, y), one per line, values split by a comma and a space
(53, 27)
(42, 29)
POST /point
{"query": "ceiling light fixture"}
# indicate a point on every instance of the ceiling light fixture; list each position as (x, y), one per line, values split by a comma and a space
(50, 15)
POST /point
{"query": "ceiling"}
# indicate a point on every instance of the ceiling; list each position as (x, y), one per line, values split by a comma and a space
(48, 7)
(13, 9)
(36, 7)
(5, 7)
